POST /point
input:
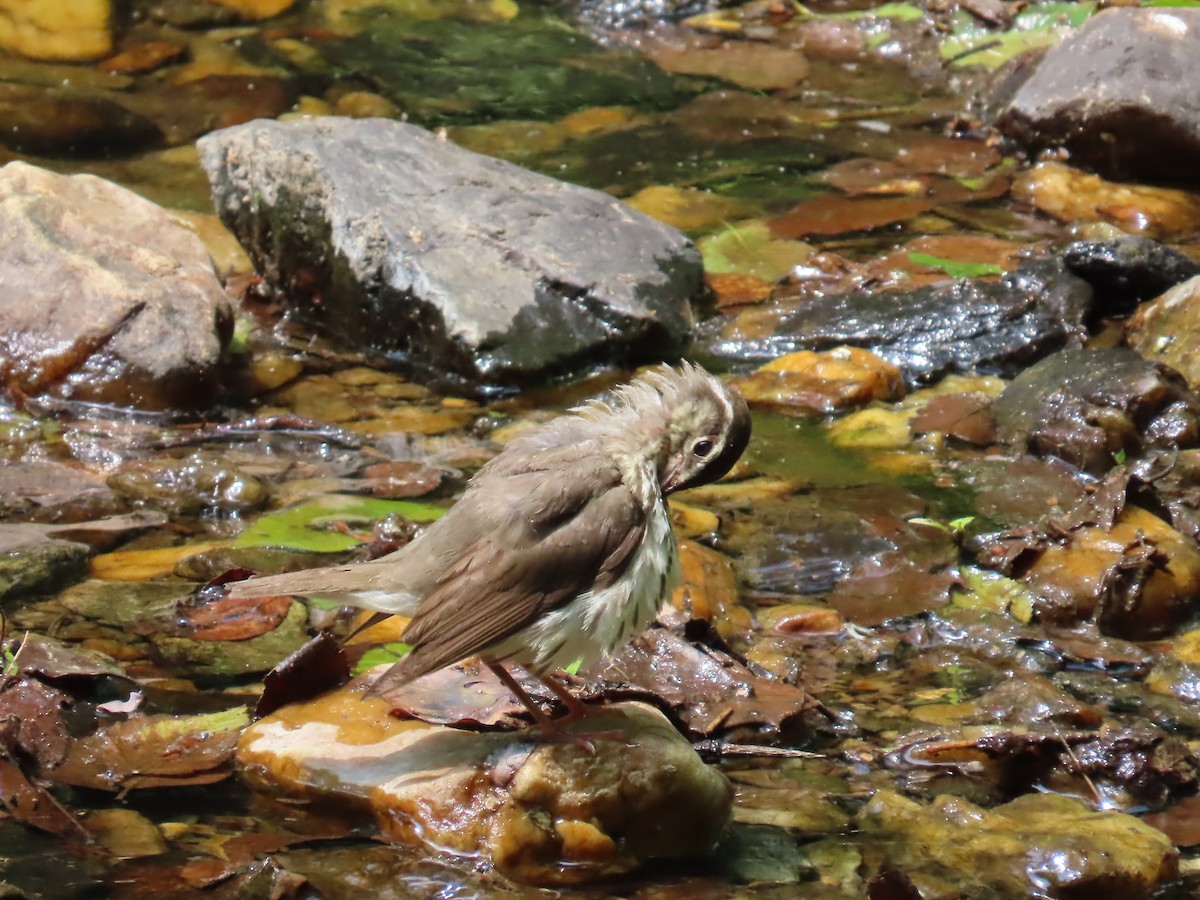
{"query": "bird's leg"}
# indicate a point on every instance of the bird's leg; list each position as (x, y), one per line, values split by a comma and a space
(575, 707)
(549, 729)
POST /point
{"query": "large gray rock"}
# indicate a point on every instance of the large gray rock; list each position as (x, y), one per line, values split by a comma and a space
(1120, 94)
(106, 297)
(388, 238)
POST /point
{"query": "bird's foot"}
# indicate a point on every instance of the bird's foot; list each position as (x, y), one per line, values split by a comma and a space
(553, 733)
(552, 729)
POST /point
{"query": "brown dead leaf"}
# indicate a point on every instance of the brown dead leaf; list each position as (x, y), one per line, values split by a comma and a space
(833, 214)
(1181, 823)
(875, 177)
(733, 289)
(709, 691)
(36, 712)
(153, 751)
(318, 666)
(952, 157)
(748, 64)
(401, 478)
(888, 586)
(966, 417)
(33, 806)
(467, 695)
(229, 619)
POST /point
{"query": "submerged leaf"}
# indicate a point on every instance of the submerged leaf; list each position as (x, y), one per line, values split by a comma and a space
(955, 268)
(311, 526)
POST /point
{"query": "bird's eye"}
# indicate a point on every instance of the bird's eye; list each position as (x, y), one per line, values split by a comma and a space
(702, 448)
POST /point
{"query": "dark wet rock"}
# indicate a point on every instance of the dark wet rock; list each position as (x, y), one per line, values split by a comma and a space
(1128, 270)
(629, 13)
(39, 566)
(1170, 482)
(56, 123)
(958, 326)
(1167, 329)
(390, 239)
(186, 111)
(1089, 407)
(107, 299)
(1118, 94)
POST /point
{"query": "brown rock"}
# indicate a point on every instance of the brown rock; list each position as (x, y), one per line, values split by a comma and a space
(1071, 195)
(809, 383)
(68, 30)
(62, 123)
(107, 298)
(1165, 329)
(1139, 579)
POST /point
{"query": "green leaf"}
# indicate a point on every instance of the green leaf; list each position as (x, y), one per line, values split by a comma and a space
(956, 268)
(573, 668)
(749, 248)
(308, 526)
(383, 654)
(900, 12)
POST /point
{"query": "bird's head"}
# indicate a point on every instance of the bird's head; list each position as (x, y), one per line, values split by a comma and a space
(707, 427)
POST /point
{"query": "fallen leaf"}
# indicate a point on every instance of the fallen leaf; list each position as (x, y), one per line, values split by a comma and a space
(231, 619)
(318, 666)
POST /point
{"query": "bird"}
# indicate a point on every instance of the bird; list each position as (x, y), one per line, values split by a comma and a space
(560, 549)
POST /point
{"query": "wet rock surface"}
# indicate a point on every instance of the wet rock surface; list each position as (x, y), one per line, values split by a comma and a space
(476, 266)
(1117, 94)
(542, 812)
(1037, 844)
(953, 326)
(108, 299)
(1090, 407)
(1165, 330)
(58, 123)
(70, 30)
(1129, 270)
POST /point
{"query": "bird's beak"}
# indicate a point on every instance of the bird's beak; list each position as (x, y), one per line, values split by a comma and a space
(672, 475)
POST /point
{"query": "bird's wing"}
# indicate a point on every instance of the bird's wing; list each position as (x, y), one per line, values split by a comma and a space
(505, 581)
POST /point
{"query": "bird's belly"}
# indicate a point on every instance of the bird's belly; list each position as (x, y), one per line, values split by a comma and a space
(595, 624)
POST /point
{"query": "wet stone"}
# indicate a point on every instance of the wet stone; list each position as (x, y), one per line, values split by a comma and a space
(1072, 195)
(1090, 406)
(1117, 94)
(1129, 270)
(58, 123)
(69, 30)
(1165, 329)
(1139, 578)
(147, 317)
(192, 486)
(1038, 844)
(543, 276)
(545, 813)
(958, 326)
(41, 566)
